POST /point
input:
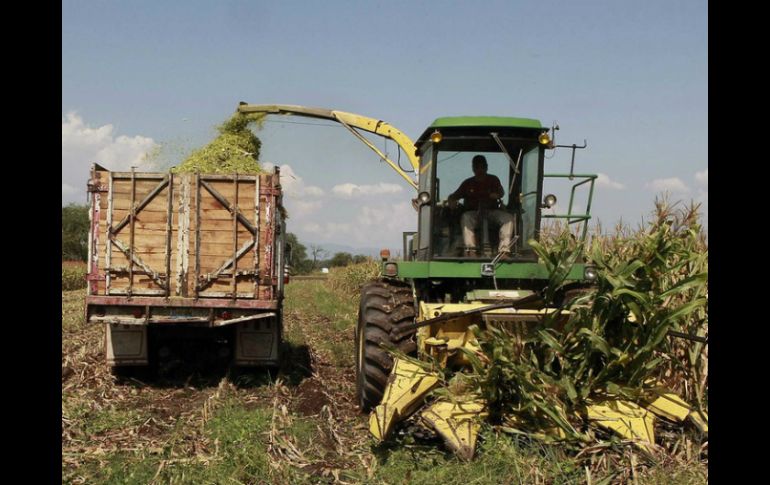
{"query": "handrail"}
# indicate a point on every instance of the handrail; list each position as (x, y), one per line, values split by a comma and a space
(575, 218)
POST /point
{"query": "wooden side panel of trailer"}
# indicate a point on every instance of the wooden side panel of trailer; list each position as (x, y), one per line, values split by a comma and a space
(182, 235)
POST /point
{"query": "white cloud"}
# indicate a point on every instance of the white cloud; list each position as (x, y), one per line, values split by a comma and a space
(702, 177)
(314, 191)
(371, 224)
(673, 184)
(329, 231)
(387, 216)
(603, 180)
(115, 153)
(126, 152)
(349, 191)
(82, 145)
(317, 218)
(300, 199)
(293, 185)
(301, 208)
(75, 132)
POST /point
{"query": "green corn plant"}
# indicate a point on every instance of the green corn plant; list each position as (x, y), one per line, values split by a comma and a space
(615, 342)
(348, 280)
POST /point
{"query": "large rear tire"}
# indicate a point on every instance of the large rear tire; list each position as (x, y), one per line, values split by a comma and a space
(386, 306)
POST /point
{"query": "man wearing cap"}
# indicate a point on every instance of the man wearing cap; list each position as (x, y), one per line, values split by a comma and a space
(483, 191)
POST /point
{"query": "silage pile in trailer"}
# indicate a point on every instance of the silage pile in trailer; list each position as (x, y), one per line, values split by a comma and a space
(234, 150)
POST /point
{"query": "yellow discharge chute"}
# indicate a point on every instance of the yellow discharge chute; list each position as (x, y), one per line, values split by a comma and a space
(352, 122)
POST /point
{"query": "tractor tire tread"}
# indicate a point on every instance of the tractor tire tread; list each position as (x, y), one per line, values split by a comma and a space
(375, 373)
(386, 306)
(372, 392)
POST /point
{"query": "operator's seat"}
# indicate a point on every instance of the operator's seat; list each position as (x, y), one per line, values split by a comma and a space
(484, 240)
(487, 234)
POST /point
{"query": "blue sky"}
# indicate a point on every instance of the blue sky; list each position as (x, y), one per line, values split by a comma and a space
(630, 77)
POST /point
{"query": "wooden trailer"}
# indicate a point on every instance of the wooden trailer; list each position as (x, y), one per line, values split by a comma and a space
(186, 255)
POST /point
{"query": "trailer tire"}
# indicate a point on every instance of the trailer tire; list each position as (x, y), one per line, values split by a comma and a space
(386, 306)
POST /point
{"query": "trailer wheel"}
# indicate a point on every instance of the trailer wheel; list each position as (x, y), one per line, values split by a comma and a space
(386, 306)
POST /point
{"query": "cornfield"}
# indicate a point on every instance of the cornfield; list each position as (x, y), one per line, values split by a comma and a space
(73, 275)
(616, 342)
(348, 280)
(640, 328)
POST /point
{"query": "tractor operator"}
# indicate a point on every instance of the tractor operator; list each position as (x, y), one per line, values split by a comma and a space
(482, 192)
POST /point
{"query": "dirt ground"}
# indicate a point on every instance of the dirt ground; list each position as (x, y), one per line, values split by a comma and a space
(297, 424)
(104, 415)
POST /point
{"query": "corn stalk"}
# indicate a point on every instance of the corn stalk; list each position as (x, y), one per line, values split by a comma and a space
(616, 340)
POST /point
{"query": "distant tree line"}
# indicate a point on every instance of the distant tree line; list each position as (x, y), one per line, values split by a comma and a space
(303, 260)
(74, 232)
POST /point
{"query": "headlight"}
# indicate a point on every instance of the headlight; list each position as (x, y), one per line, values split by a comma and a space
(424, 198)
(549, 201)
(590, 273)
(391, 269)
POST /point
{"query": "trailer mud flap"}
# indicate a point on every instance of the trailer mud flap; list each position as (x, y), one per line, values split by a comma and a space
(126, 344)
(256, 342)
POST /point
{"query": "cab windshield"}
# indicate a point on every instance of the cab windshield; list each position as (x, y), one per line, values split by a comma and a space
(462, 228)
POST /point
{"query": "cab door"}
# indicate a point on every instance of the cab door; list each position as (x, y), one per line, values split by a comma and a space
(426, 176)
(530, 195)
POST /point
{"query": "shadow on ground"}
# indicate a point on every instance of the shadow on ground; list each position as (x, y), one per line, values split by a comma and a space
(198, 367)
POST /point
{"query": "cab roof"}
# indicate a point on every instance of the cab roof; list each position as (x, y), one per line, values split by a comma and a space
(490, 121)
(458, 125)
